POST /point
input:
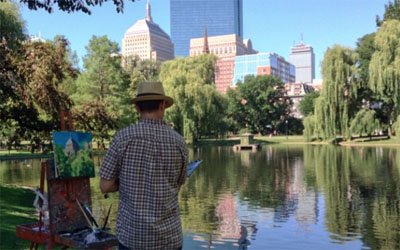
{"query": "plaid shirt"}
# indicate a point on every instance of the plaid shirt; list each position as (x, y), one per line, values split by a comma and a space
(150, 160)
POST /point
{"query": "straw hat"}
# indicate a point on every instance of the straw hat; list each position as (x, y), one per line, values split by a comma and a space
(152, 91)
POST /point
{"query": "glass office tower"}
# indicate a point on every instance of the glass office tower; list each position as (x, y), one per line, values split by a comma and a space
(302, 56)
(189, 17)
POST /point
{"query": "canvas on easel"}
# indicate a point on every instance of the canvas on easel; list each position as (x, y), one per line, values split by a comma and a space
(72, 154)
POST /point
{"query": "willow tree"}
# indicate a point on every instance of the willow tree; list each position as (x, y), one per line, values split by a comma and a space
(365, 122)
(333, 108)
(396, 127)
(384, 69)
(199, 108)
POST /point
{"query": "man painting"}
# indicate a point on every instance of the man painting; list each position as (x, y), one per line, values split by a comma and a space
(147, 164)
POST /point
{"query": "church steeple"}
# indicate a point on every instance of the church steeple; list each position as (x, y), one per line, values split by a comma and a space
(148, 12)
(206, 50)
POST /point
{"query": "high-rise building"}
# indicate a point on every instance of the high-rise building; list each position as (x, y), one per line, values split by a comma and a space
(189, 17)
(226, 47)
(147, 40)
(263, 64)
(303, 58)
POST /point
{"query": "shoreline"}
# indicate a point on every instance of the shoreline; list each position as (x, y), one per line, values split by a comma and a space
(222, 142)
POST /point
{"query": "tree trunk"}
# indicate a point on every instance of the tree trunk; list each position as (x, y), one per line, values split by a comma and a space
(390, 122)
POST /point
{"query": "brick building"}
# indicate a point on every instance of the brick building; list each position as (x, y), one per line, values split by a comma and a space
(226, 47)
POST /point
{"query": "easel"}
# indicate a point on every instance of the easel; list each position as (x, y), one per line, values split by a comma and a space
(65, 216)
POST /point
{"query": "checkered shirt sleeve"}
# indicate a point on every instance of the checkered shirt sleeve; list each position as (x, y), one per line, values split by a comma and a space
(112, 161)
(185, 161)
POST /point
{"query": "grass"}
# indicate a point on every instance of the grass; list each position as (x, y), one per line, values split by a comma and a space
(299, 139)
(281, 139)
(218, 142)
(15, 209)
(13, 154)
(376, 140)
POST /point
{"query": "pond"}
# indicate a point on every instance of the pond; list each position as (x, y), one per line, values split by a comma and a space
(280, 197)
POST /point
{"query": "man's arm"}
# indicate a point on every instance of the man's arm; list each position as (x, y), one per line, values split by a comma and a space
(109, 186)
(110, 167)
(185, 161)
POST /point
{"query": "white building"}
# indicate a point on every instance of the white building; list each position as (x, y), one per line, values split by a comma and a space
(147, 40)
(303, 58)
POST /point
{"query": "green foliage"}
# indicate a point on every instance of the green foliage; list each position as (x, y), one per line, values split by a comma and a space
(141, 71)
(30, 93)
(295, 126)
(307, 104)
(384, 68)
(365, 49)
(83, 164)
(396, 127)
(257, 102)
(43, 66)
(63, 162)
(392, 12)
(71, 5)
(199, 109)
(94, 117)
(12, 25)
(102, 99)
(365, 122)
(309, 127)
(71, 165)
(334, 108)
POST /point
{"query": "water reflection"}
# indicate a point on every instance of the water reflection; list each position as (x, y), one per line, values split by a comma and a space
(281, 197)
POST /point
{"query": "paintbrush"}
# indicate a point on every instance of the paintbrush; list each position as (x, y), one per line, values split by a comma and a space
(84, 214)
(91, 217)
(108, 215)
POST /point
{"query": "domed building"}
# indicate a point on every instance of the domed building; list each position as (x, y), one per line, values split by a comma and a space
(147, 40)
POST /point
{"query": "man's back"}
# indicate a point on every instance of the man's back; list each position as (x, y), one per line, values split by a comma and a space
(151, 164)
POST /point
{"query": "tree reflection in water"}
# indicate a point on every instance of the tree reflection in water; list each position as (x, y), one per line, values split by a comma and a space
(299, 196)
(359, 185)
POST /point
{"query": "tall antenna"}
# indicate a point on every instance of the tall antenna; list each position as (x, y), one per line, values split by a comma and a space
(301, 41)
(148, 12)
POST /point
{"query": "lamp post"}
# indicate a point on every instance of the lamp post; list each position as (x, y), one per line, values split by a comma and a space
(286, 129)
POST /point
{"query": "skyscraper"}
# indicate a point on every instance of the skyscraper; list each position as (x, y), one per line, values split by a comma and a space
(147, 40)
(189, 17)
(303, 58)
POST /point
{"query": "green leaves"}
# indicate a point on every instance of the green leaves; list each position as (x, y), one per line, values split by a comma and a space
(199, 108)
(102, 99)
(307, 104)
(384, 68)
(333, 108)
(259, 101)
(365, 122)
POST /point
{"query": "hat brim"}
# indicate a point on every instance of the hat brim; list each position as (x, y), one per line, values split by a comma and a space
(169, 101)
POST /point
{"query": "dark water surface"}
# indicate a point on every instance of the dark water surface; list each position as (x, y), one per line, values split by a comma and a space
(281, 197)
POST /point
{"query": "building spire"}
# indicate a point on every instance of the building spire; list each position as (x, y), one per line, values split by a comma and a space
(148, 12)
(205, 44)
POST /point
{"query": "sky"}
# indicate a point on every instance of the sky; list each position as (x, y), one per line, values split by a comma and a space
(272, 25)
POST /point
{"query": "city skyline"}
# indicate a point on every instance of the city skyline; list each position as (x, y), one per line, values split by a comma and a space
(273, 26)
(189, 18)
